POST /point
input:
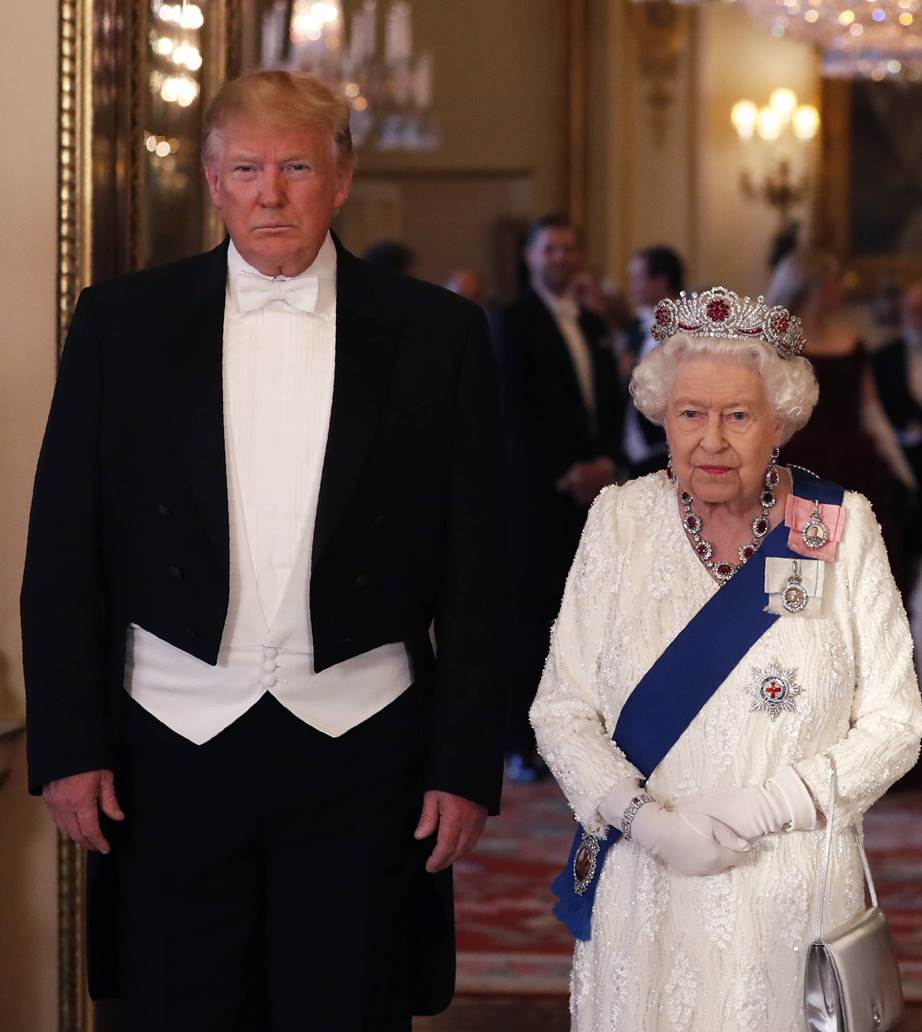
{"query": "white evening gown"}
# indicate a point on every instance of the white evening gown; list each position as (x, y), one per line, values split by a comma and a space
(722, 953)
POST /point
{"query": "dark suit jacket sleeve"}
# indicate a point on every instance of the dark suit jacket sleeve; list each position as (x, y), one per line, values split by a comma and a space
(63, 602)
(465, 754)
(537, 442)
(545, 423)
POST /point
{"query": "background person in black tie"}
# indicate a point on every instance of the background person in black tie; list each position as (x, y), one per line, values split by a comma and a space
(267, 470)
(653, 273)
(897, 368)
(562, 415)
(898, 375)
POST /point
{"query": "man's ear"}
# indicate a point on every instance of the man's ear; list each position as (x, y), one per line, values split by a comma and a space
(214, 186)
(343, 185)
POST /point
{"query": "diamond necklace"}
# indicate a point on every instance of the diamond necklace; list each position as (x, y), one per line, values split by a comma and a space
(691, 522)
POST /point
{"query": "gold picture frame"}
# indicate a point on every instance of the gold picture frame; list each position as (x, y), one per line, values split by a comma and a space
(101, 78)
(840, 212)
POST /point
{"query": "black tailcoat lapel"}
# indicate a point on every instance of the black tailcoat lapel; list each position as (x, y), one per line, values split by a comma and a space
(199, 392)
(368, 330)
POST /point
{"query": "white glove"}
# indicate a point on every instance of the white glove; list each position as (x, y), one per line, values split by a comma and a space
(691, 843)
(782, 803)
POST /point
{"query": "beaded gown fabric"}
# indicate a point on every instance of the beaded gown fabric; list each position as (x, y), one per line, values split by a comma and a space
(721, 953)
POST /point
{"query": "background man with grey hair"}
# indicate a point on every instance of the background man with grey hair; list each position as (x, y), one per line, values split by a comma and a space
(267, 470)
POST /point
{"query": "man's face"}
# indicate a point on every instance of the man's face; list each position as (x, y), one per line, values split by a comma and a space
(553, 258)
(277, 190)
(645, 289)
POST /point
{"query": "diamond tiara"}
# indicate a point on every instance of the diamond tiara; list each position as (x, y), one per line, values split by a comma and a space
(719, 312)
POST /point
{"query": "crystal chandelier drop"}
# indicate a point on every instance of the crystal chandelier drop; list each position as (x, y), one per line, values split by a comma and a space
(389, 87)
(872, 39)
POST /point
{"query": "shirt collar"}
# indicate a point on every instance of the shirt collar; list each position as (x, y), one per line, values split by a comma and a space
(323, 267)
(564, 306)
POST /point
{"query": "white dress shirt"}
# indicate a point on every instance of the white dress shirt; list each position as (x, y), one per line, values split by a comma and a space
(278, 388)
(565, 311)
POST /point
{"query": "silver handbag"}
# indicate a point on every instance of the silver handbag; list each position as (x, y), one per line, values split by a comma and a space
(851, 982)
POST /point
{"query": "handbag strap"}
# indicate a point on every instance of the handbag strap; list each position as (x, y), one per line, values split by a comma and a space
(827, 856)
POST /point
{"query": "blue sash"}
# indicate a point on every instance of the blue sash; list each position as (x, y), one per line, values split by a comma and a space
(699, 660)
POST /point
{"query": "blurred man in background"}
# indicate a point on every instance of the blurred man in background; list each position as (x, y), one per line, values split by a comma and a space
(898, 375)
(653, 273)
(562, 415)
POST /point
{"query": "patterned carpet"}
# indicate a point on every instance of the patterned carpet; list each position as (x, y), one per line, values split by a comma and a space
(510, 944)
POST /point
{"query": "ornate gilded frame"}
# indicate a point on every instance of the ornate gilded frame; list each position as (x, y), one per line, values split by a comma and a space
(873, 271)
(100, 198)
(100, 201)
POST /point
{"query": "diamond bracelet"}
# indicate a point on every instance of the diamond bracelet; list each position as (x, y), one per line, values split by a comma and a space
(631, 812)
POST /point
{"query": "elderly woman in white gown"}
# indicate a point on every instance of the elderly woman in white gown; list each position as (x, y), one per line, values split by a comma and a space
(703, 911)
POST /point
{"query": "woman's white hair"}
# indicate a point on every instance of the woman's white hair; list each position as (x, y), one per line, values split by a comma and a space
(789, 382)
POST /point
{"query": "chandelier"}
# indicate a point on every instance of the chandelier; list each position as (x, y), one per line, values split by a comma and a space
(872, 39)
(387, 84)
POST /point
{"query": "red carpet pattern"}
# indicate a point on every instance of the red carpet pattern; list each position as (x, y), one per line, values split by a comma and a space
(509, 943)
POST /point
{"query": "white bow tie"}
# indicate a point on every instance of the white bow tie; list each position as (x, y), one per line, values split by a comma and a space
(255, 292)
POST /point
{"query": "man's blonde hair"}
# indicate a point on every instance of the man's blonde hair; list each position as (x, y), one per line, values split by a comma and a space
(281, 100)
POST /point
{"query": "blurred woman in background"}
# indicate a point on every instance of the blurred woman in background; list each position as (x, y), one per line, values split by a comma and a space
(848, 437)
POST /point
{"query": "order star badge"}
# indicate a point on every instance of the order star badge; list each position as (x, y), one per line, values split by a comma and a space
(773, 690)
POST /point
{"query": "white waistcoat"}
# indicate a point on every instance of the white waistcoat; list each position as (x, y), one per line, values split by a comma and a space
(278, 380)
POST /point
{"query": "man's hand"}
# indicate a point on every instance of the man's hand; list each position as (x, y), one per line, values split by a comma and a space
(584, 480)
(75, 801)
(460, 823)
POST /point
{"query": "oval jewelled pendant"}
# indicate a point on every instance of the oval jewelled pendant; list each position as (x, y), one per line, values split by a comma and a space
(794, 598)
(584, 863)
(815, 534)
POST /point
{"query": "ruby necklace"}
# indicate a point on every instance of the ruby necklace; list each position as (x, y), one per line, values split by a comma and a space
(704, 550)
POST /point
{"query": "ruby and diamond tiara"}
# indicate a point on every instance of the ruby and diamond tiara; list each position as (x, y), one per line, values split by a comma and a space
(719, 312)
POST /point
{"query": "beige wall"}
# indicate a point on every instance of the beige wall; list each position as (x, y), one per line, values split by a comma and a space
(498, 91)
(28, 934)
(499, 95)
(684, 190)
(642, 186)
(734, 233)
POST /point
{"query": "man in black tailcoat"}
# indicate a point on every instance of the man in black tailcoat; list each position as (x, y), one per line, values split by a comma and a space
(562, 416)
(268, 471)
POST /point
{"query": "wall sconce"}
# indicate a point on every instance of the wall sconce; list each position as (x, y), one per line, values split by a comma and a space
(784, 127)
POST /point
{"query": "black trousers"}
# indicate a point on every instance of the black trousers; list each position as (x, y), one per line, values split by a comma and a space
(264, 877)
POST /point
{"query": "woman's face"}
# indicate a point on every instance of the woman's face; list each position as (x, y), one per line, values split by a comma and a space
(721, 430)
